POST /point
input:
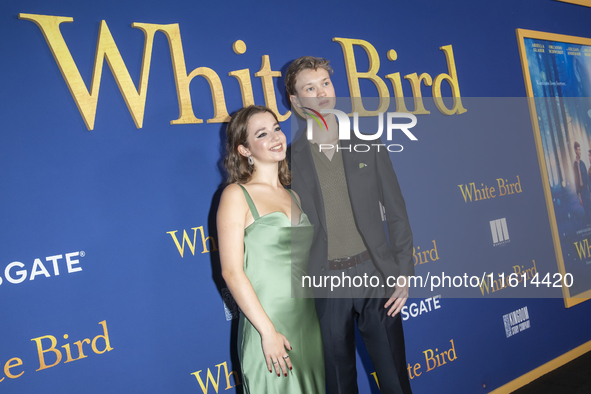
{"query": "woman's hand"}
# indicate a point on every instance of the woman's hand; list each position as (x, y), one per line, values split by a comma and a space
(274, 349)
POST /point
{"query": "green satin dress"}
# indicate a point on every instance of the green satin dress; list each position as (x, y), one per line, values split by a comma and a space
(275, 252)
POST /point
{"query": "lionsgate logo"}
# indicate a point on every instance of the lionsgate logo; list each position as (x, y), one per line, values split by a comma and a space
(516, 321)
(345, 129)
(500, 234)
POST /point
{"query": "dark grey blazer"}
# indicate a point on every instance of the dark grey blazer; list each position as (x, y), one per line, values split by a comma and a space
(374, 182)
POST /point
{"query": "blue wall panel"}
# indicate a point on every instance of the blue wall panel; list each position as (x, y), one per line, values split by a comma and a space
(108, 199)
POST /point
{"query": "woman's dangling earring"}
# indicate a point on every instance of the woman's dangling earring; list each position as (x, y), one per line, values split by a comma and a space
(250, 160)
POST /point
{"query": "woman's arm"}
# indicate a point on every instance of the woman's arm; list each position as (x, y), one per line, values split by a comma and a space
(231, 221)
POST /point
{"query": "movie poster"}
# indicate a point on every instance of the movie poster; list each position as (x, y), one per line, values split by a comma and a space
(557, 71)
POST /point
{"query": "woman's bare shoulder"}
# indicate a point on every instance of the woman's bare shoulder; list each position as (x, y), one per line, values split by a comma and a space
(233, 196)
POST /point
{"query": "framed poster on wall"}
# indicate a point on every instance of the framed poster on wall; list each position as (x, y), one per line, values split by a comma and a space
(557, 74)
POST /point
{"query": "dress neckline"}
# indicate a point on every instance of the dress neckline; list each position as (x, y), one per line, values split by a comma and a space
(255, 212)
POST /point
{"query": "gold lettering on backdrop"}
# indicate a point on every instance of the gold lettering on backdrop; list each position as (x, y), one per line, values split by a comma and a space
(353, 75)
(491, 285)
(452, 79)
(243, 77)
(375, 376)
(396, 84)
(422, 257)
(415, 83)
(215, 383)
(181, 248)
(374, 64)
(106, 48)
(86, 99)
(266, 76)
(182, 81)
(239, 47)
(217, 95)
(9, 365)
(41, 351)
(416, 369)
(471, 192)
(433, 359)
(397, 87)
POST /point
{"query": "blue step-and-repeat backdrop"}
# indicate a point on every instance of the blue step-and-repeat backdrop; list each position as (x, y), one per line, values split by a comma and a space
(113, 119)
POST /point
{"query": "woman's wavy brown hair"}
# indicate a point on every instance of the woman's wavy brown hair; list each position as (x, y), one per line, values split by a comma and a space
(237, 167)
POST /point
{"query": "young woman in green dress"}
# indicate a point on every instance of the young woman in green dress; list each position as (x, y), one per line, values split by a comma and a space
(264, 242)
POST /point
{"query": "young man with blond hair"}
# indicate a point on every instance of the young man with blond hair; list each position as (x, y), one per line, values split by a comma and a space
(342, 192)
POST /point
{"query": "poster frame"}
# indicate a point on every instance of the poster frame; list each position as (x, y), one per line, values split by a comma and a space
(569, 299)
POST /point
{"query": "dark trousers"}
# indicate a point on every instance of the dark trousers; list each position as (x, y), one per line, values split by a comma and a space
(382, 335)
